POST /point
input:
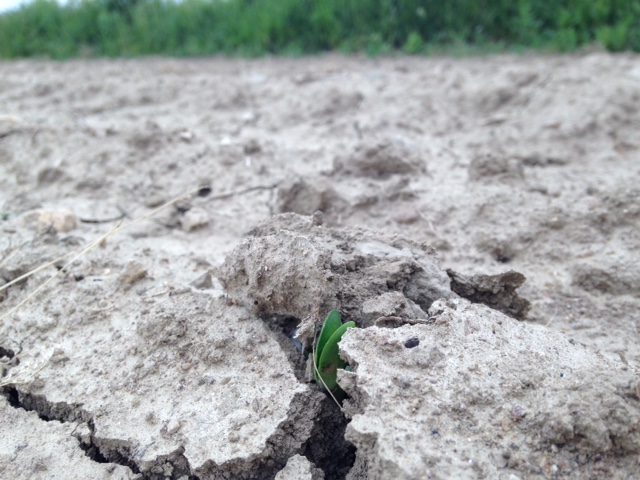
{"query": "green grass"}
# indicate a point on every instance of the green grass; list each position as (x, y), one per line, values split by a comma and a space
(296, 27)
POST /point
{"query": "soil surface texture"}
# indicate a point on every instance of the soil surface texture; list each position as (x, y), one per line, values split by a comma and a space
(192, 222)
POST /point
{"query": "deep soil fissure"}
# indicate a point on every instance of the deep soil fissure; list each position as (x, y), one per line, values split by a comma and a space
(118, 453)
(65, 413)
(327, 447)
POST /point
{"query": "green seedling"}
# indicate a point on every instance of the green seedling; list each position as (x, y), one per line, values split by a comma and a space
(327, 359)
(332, 323)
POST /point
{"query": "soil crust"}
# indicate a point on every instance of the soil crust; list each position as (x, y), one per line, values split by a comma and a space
(478, 218)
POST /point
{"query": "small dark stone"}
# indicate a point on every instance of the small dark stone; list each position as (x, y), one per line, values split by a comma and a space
(203, 282)
(50, 175)
(412, 342)
(517, 413)
(204, 191)
(318, 218)
(435, 432)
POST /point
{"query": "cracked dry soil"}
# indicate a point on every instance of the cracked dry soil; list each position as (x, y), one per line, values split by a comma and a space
(168, 350)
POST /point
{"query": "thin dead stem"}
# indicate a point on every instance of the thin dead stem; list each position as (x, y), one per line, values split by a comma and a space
(50, 279)
(118, 228)
(77, 254)
(27, 373)
(32, 272)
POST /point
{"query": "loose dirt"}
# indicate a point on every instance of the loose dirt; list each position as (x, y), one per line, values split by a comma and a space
(478, 218)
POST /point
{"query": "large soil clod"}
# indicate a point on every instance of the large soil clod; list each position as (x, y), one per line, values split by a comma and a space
(290, 266)
(476, 394)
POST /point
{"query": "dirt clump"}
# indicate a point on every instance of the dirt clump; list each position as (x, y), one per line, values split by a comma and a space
(433, 396)
(497, 167)
(496, 291)
(299, 468)
(292, 267)
(381, 159)
(299, 196)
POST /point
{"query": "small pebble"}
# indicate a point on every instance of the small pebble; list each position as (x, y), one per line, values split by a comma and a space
(58, 220)
(318, 218)
(132, 272)
(405, 214)
(173, 426)
(517, 413)
(195, 218)
(412, 342)
(203, 282)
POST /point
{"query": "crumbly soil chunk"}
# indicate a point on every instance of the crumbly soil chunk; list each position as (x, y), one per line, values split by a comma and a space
(292, 267)
(477, 394)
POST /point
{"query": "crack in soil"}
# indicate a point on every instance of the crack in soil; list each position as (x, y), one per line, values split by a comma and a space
(6, 352)
(322, 447)
(173, 466)
(66, 413)
(326, 446)
(283, 329)
(95, 453)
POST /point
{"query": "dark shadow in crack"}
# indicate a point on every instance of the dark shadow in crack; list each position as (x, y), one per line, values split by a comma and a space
(326, 447)
(495, 291)
(283, 329)
(6, 352)
(64, 412)
(12, 396)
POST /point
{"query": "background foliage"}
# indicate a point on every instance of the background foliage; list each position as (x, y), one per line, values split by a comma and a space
(256, 27)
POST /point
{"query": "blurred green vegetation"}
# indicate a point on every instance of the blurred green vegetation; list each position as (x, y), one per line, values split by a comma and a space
(295, 27)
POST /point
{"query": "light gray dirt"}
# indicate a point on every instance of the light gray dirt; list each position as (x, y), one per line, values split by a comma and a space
(299, 468)
(32, 450)
(166, 350)
(477, 394)
(201, 388)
